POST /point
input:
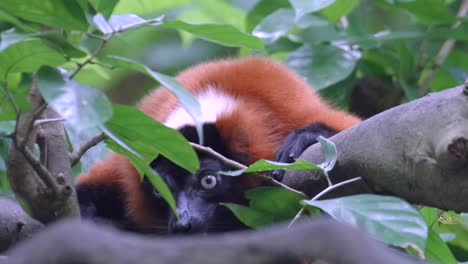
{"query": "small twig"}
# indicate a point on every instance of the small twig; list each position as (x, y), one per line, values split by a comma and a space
(444, 51)
(236, 165)
(228, 162)
(105, 39)
(316, 197)
(48, 120)
(297, 216)
(11, 99)
(330, 188)
(95, 53)
(76, 155)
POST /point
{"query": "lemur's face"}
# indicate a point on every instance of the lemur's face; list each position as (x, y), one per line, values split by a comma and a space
(198, 196)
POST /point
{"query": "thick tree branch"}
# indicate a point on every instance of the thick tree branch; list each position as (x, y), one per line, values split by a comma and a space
(16, 225)
(45, 186)
(417, 151)
(324, 239)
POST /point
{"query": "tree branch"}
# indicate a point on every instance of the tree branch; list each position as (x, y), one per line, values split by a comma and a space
(417, 151)
(81, 150)
(45, 186)
(319, 239)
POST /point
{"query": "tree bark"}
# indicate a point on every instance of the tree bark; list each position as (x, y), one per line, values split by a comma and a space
(15, 224)
(75, 242)
(417, 151)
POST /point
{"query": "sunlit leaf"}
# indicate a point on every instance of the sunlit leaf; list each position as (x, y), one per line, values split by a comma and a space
(266, 165)
(323, 65)
(226, 35)
(275, 25)
(305, 7)
(7, 127)
(331, 154)
(81, 106)
(388, 219)
(11, 37)
(142, 7)
(119, 23)
(262, 9)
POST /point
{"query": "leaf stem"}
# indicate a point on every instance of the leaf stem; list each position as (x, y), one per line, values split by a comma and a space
(236, 165)
(330, 188)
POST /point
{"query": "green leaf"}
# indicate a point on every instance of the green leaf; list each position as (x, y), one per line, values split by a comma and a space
(61, 44)
(20, 97)
(161, 186)
(388, 219)
(250, 217)
(459, 245)
(186, 99)
(55, 13)
(226, 35)
(339, 9)
(280, 203)
(305, 7)
(262, 9)
(429, 12)
(144, 170)
(81, 106)
(437, 251)
(142, 7)
(11, 37)
(266, 165)
(221, 12)
(104, 7)
(431, 217)
(148, 138)
(316, 30)
(28, 56)
(7, 127)
(323, 65)
(275, 25)
(331, 154)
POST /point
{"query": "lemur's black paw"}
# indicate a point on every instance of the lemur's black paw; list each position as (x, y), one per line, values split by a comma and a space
(296, 142)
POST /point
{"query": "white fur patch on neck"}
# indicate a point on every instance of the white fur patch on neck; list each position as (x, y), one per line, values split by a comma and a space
(213, 104)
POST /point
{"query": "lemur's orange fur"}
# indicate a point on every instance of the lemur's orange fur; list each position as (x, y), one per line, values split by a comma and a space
(272, 102)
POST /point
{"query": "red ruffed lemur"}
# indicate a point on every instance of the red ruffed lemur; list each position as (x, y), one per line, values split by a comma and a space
(252, 109)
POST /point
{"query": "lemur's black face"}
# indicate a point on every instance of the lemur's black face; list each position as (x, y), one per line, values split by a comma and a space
(198, 196)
